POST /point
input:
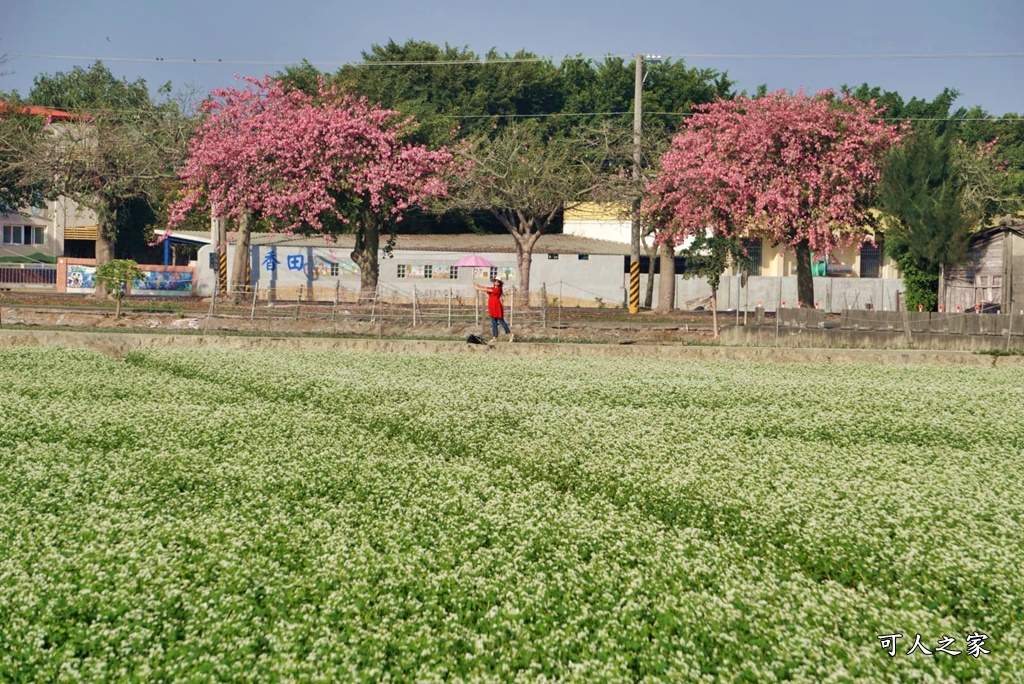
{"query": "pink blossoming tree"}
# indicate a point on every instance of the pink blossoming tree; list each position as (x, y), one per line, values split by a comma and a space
(798, 170)
(329, 163)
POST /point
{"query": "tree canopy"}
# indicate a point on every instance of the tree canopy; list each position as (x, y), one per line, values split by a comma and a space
(118, 158)
(328, 162)
(524, 177)
(795, 169)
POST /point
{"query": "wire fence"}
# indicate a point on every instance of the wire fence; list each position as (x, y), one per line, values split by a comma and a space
(386, 304)
(556, 306)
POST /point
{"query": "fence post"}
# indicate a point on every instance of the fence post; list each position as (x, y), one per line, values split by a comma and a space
(739, 291)
(905, 317)
(512, 307)
(213, 309)
(559, 337)
(298, 302)
(476, 300)
(373, 305)
(1009, 324)
(414, 306)
(544, 304)
(255, 296)
(746, 300)
(337, 292)
(449, 307)
(778, 312)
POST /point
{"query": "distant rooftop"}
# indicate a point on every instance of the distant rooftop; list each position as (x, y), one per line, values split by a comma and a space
(40, 111)
(465, 242)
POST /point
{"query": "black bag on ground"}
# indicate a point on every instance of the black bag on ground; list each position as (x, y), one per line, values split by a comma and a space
(475, 339)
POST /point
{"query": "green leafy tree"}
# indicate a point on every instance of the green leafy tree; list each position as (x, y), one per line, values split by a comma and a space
(452, 91)
(19, 131)
(935, 191)
(708, 256)
(524, 177)
(115, 276)
(120, 156)
(918, 111)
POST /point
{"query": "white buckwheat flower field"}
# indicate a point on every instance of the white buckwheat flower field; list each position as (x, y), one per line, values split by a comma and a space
(212, 515)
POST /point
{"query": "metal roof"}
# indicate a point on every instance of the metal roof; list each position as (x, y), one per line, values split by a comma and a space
(462, 243)
(193, 236)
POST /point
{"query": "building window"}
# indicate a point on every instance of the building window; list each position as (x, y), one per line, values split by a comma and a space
(453, 272)
(428, 271)
(753, 247)
(334, 270)
(494, 272)
(552, 256)
(583, 257)
(871, 260)
(401, 270)
(24, 235)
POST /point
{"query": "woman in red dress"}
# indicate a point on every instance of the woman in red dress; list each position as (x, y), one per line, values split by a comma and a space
(495, 309)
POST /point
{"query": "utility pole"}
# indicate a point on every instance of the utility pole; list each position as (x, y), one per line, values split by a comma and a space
(634, 251)
(219, 252)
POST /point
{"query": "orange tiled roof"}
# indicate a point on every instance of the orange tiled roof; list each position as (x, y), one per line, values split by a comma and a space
(42, 111)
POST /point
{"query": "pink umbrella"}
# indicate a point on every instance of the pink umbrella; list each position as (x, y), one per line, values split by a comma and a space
(474, 260)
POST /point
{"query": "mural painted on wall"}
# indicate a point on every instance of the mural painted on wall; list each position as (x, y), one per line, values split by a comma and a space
(175, 281)
(506, 273)
(326, 267)
(81, 277)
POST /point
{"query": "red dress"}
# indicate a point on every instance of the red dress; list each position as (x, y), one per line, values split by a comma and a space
(494, 307)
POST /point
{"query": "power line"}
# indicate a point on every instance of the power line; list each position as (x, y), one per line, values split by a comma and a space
(442, 115)
(523, 60)
(691, 114)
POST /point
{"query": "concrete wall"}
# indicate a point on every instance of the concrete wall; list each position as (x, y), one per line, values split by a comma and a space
(831, 294)
(597, 280)
(578, 281)
(77, 276)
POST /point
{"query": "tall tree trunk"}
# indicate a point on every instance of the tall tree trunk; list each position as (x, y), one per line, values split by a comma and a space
(105, 233)
(804, 278)
(365, 257)
(524, 259)
(714, 310)
(240, 267)
(667, 284)
(652, 252)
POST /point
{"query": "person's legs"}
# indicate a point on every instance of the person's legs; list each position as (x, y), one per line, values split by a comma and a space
(503, 325)
(494, 328)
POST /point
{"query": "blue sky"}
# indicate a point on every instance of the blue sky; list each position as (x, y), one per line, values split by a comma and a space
(257, 36)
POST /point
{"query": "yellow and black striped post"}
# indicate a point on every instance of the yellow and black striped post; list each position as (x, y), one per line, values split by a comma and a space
(634, 285)
(222, 281)
(247, 286)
